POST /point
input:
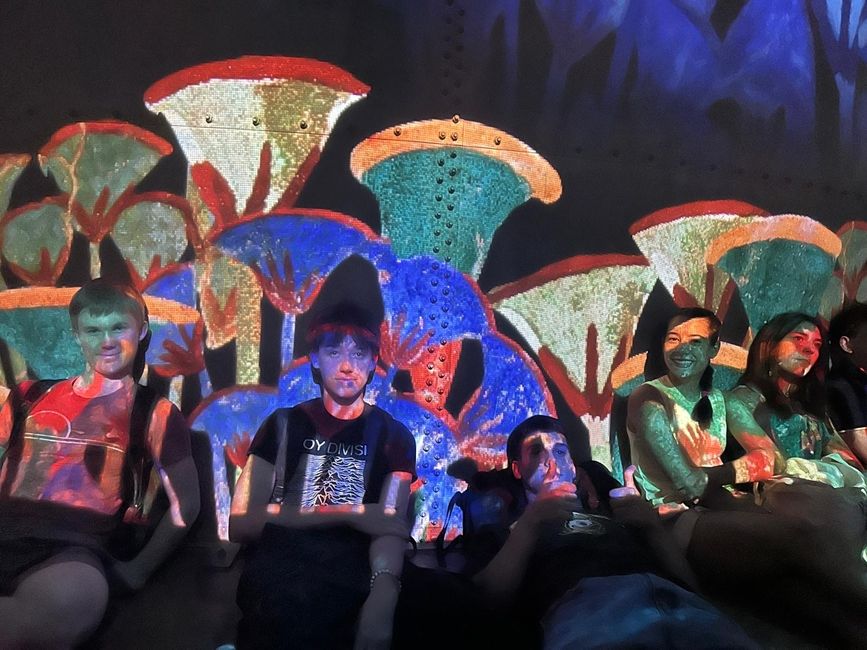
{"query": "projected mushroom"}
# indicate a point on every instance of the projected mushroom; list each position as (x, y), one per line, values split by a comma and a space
(849, 282)
(430, 308)
(779, 263)
(177, 349)
(36, 241)
(512, 390)
(579, 315)
(675, 240)
(445, 186)
(97, 166)
(252, 129)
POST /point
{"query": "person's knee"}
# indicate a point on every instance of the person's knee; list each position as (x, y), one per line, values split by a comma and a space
(64, 603)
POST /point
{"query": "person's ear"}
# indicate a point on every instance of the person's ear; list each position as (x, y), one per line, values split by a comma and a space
(145, 327)
(715, 349)
(516, 471)
(846, 345)
(314, 359)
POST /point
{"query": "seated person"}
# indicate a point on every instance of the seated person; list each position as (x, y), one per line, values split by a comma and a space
(847, 381)
(66, 458)
(676, 429)
(587, 575)
(781, 395)
(322, 500)
(677, 422)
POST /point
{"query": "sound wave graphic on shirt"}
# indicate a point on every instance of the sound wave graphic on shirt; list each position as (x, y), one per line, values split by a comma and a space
(332, 480)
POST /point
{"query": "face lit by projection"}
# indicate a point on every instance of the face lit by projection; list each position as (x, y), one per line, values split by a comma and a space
(109, 341)
(798, 351)
(544, 462)
(345, 367)
(688, 349)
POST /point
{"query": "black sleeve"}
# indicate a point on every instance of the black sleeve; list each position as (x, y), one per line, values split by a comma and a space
(841, 407)
(266, 441)
(400, 449)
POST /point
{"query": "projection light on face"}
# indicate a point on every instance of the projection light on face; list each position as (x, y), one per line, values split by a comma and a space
(345, 367)
(798, 351)
(545, 465)
(109, 341)
(688, 348)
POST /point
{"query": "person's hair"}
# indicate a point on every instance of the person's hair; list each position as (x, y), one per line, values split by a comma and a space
(102, 296)
(655, 365)
(333, 324)
(847, 322)
(534, 423)
(808, 392)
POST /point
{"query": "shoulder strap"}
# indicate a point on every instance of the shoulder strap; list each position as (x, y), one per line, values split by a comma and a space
(441, 549)
(281, 424)
(139, 461)
(21, 405)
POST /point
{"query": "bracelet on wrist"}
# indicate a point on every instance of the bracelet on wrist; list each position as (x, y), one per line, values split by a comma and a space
(380, 572)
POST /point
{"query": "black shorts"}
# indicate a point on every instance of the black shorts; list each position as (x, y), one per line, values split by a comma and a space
(20, 557)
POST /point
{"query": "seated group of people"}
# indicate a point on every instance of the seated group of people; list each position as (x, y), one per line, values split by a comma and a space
(564, 557)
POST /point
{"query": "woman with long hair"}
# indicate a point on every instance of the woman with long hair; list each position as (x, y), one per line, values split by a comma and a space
(781, 395)
(677, 431)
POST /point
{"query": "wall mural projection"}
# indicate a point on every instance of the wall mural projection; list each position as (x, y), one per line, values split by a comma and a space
(233, 265)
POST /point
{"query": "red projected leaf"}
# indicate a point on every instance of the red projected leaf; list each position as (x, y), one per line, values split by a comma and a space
(215, 193)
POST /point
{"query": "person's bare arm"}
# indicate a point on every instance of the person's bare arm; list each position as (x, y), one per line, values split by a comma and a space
(5, 428)
(648, 419)
(376, 620)
(856, 440)
(181, 484)
(762, 459)
(838, 445)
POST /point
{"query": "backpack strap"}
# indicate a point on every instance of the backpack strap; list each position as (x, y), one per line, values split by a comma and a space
(281, 424)
(21, 404)
(441, 548)
(139, 461)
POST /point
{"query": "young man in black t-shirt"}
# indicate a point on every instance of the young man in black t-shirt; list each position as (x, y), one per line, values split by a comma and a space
(595, 574)
(322, 498)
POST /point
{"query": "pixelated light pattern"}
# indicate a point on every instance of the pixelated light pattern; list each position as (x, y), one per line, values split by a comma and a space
(177, 348)
(252, 130)
(445, 186)
(254, 123)
(849, 282)
(674, 240)
(36, 241)
(779, 263)
(152, 234)
(512, 390)
(291, 254)
(54, 353)
(579, 316)
(231, 418)
(430, 307)
(97, 166)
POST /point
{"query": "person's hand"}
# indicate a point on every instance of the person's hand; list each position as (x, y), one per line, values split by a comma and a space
(586, 489)
(376, 620)
(554, 502)
(376, 522)
(629, 507)
(127, 577)
(703, 449)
